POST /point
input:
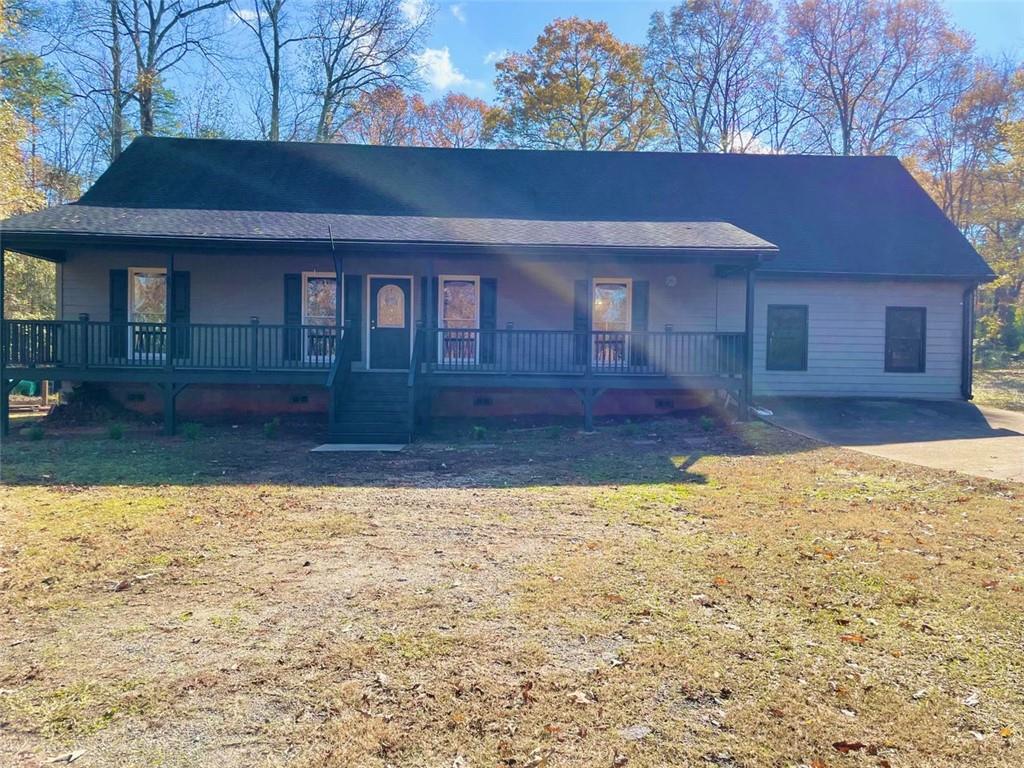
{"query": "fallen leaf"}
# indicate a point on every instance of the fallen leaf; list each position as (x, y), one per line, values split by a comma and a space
(619, 760)
(883, 763)
(853, 637)
(611, 597)
(972, 700)
(635, 732)
(848, 746)
(990, 585)
(1006, 732)
(818, 763)
(720, 581)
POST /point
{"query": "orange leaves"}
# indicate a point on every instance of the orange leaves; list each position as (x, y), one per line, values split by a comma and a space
(846, 747)
(855, 638)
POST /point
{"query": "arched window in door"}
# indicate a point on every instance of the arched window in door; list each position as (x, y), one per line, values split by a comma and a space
(390, 307)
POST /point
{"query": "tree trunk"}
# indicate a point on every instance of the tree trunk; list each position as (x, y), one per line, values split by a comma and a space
(116, 113)
(146, 106)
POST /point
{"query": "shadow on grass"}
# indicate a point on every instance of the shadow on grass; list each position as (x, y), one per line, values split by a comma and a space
(664, 450)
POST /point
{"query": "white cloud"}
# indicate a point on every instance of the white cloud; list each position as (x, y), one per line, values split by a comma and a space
(441, 74)
(493, 57)
(458, 11)
(236, 16)
(414, 10)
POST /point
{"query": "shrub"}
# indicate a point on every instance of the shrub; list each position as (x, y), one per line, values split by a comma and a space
(479, 432)
(271, 428)
(35, 432)
(115, 431)
(707, 423)
(191, 430)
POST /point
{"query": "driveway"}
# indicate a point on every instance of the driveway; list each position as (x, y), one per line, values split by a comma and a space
(976, 440)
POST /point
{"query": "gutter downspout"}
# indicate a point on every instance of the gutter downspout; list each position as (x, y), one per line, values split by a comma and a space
(967, 345)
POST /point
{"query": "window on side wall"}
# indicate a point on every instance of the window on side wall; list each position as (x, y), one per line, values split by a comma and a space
(787, 338)
(905, 339)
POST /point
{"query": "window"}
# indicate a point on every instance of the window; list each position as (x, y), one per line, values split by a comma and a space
(787, 338)
(612, 320)
(904, 339)
(459, 317)
(390, 307)
(147, 311)
(319, 302)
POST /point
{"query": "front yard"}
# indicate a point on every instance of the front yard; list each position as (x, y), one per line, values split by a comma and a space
(1000, 387)
(657, 594)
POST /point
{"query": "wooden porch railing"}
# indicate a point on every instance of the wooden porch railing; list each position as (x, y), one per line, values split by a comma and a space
(194, 346)
(512, 352)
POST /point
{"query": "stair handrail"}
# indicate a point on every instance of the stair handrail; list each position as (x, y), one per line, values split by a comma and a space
(342, 356)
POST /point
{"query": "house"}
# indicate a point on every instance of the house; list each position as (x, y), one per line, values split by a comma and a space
(383, 284)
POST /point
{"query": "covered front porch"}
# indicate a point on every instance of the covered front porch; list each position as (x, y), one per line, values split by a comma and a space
(444, 316)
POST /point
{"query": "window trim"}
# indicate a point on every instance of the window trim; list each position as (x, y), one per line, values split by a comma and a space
(441, 279)
(889, 368)
(768, 338)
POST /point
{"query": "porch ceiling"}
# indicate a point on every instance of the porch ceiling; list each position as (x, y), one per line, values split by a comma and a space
(83, 223)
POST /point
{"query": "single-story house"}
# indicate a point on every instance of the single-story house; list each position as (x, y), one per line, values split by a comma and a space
(383, 284)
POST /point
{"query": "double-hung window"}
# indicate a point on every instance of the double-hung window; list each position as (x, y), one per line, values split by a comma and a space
(459, 318)
(147, 312)
(787, 338)
(905, 339)
(612, 320)
(319, 304)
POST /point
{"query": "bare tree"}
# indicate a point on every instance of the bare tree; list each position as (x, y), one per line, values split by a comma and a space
(868, 66)
(385, 116)
(709, 61)
(356, 46)
(269, 22)
(161, 34)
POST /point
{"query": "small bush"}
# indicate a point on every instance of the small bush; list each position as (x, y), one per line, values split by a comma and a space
(35, 432)
(115, 431)
(191, 431)
(271, 428)
(479, 432)
(707, 423)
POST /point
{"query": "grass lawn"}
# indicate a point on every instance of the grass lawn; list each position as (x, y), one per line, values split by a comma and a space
(652, 595)
(1000, 387)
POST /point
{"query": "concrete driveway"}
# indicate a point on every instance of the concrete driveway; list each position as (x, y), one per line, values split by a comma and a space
(987, 442)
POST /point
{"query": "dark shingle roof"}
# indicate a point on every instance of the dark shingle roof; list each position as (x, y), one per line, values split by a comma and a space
(843, 215)
(289, 226)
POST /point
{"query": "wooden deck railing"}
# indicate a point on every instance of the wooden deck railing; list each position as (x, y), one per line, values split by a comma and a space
(511, 352)
(257, 348)
(85, 344)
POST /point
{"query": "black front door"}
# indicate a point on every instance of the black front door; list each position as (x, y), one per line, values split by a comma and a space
(390, 318)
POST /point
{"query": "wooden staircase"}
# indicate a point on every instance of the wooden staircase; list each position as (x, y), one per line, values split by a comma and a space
(372, 408)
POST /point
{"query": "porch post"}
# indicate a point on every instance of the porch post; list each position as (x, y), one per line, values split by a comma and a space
(170, 393)
(169, 312)
(746, 397)
(588, 395)
(5, 419)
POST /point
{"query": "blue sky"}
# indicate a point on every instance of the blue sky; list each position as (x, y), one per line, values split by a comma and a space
(468, 34)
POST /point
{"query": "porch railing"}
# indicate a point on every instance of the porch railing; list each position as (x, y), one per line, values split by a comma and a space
(663, 353)
(180, 346)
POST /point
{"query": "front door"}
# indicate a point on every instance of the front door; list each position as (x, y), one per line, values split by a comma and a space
(390, 319)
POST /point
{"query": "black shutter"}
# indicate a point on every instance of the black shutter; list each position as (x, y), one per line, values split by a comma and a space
(354, 312)
(181, 313)
(640, 340)
(292, 316)
(118, 334)
(488, 319)
(581, 320)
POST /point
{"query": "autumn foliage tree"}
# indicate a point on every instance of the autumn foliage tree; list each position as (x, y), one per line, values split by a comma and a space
(578, 87)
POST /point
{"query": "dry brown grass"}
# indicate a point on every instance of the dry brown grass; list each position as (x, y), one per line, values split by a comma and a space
(734, 598)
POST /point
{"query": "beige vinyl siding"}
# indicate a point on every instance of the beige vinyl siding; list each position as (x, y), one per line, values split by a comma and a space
(846, 336)
(846, 318)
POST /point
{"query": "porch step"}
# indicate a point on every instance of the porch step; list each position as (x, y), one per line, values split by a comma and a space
(373, 408)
